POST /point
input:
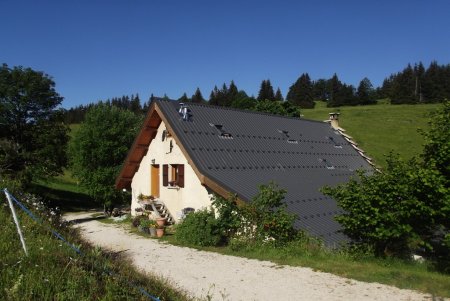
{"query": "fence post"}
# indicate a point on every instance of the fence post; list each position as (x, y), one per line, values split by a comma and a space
(16, 220)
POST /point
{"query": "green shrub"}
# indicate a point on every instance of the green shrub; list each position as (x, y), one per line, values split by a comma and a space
(137, 220)
(199, 228)
(405, 208)
(229, 216)
(266, 216)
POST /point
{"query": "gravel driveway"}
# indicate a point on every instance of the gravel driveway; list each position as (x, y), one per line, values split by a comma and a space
(225, 277)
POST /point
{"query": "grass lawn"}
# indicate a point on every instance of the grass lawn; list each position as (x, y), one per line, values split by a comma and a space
(381, 128)
(64, 192)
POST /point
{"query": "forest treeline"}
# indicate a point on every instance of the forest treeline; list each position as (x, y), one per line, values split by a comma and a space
(414, 84)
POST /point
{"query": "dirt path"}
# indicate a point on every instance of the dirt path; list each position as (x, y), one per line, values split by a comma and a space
(225, 277)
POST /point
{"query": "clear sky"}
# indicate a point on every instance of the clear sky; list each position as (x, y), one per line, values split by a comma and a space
(100, 49)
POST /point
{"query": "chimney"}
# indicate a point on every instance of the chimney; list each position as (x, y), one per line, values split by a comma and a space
(334, 120)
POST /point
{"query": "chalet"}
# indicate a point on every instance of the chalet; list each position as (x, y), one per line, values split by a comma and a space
(184, 153)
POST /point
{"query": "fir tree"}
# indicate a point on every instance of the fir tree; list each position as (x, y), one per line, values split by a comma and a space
(266, 91)
(278, 95)
(183, 98)
(301, 92)
(197, 97)
(365, 92)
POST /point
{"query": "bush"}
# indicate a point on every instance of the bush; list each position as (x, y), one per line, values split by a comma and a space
(405, 208)
(199, 228)
(137, 220)
(266, 215)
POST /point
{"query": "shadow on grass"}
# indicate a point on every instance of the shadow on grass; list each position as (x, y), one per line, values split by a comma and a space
(65, 200)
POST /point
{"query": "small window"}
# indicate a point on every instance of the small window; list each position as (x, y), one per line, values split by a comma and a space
(175, 176)
(222, 133)
(328, 165)
(336, 144)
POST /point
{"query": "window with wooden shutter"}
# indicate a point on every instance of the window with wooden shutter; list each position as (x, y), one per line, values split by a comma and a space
(165, 175)
(180, 175)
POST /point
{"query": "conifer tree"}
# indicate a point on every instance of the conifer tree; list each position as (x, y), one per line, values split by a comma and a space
(232, 93)
(301, 92)
(197, 97)
(183, 98)
(278, 95)
(365, 92)
(335, 87)
(214, 96)
(266, 91)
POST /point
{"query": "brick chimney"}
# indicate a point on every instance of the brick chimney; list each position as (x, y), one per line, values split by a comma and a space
(334, 120)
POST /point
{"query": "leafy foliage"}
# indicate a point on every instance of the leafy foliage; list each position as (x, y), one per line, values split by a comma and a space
(267, 215)
(32, 136)
(199, 228)
(283, 108)
(99, 148)
(406, 207)
(263, 219)
(437, 141)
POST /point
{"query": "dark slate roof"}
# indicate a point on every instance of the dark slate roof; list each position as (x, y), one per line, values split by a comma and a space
(259, 152)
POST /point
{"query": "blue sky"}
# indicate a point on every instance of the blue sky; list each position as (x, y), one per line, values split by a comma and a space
(102, 49)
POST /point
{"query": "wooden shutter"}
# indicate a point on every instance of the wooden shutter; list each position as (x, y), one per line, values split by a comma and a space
(180, 179)
(165, 175)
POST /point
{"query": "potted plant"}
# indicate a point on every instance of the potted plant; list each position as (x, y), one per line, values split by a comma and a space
(161, 221)
(152, 228)
(143, 197)
(160, 231)
(145, 225)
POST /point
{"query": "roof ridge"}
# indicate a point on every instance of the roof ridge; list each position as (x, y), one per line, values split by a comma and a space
(159, 99)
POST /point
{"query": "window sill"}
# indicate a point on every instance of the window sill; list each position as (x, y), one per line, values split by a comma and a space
(173, 187)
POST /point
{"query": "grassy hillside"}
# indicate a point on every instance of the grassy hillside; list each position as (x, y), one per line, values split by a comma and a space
(53, 271)
(381, 128)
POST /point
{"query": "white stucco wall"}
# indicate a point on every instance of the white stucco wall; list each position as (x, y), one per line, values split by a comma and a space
(194, 194)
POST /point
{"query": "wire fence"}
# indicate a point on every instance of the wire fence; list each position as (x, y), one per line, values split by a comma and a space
(38, 220)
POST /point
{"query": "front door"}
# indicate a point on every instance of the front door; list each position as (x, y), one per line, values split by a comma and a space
(154, 187)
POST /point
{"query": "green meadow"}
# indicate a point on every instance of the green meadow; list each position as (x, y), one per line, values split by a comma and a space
(382, 128)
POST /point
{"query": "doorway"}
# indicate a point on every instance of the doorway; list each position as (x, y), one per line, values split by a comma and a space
(154, 180)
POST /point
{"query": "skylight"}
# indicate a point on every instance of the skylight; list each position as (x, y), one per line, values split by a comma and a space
(222, 133)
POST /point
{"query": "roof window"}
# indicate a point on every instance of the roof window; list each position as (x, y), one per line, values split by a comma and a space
(222, 133)
(327, 164)
(336, 144)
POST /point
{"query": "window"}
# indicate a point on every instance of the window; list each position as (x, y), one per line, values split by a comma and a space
(173, 175)
(222, 133)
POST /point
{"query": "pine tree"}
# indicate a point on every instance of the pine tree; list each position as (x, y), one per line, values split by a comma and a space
(232, 93)
(365, 92)
(135, 104)
(183, 98)
(278, 95)
(335, 87)
(214, 96)
(403, 87)
(301, 92)
(266, 91)
(321, 89)
(419, 72)
(197, 97)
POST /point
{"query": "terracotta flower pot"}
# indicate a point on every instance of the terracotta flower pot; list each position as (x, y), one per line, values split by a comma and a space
(159, 232)
(161, 221)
